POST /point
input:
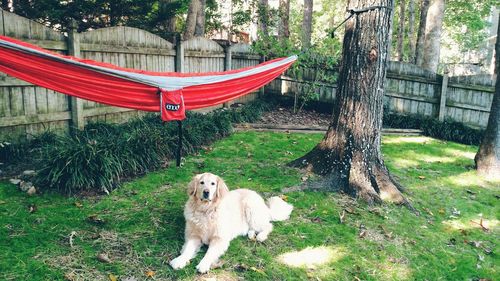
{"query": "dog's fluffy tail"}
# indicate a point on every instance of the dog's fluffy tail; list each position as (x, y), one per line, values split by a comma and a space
(279, 209)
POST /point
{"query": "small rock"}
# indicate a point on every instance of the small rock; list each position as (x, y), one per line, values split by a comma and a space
(15, 181)
(29, 173)
(102, 257)
(25, 185)
(31, 191)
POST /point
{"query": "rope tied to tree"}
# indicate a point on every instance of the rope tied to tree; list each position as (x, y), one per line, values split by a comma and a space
(353, 12)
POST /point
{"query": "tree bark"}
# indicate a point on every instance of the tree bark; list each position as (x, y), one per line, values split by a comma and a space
(411, 30)
(401, 30)
(433, 30)
(263, 9)
(488, 157)
(307, 24)
(284, 12)
(194, 7)
(168, 19)
(200, 19)
(349, 156)
(419, 48)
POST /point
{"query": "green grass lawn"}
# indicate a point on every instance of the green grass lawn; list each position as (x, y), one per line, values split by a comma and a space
(140, 226)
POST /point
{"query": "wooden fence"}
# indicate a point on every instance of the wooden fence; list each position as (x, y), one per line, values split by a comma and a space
(412, 90)
(29, 110)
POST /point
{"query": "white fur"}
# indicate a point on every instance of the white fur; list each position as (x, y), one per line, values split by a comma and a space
(223, 216)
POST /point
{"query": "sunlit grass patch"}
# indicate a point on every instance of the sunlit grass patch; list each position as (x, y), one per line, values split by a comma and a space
(311, 257)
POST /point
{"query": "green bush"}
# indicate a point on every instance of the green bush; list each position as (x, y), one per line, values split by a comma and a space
(446, 130)
(102, 154)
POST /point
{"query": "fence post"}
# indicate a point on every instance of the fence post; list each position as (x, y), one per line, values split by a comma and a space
(228, 58)
(77, 118)
(442, 102)
(179, 54)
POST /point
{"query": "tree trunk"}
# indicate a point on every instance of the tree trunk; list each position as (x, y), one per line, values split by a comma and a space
(284, 28)
(488, 157)
(307, 24)
(200, 19)
(194, 7)
(419, 48)
(433, 30)
(263, 9)
(401, 29)
(411, 30)
(168, 20)
(349, 155)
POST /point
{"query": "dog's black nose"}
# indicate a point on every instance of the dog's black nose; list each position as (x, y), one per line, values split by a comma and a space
(205, 194)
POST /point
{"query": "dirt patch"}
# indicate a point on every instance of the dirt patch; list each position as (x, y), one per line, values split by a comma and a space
(285, 116)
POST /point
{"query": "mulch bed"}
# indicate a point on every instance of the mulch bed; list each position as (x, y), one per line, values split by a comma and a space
(285, 116)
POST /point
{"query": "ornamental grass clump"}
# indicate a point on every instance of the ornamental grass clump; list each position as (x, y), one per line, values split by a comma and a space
(102, 155)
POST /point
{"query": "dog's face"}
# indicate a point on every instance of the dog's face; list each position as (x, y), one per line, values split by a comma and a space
(207, 188)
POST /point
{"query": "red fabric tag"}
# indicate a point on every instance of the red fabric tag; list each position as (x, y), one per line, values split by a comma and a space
(172, 105)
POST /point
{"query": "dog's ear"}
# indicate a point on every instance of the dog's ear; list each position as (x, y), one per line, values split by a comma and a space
(222, 188)
(193, 185)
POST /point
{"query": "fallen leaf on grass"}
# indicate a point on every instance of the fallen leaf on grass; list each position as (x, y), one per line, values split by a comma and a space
(441, 211)
(421, 177)
(78, 204)
(428, 211)
(32, 208)
(284, 198)
(95, 219)
(112, 277)
(253, 268)
(387, 234)
(103, 257)
(316, 220)
(70, 276)
(150, 274)
(362, 231)
(350, 210)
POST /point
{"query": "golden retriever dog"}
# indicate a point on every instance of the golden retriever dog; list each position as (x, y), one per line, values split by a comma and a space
(215, 216)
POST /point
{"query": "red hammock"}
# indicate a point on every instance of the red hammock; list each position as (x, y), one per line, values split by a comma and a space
(169, 92)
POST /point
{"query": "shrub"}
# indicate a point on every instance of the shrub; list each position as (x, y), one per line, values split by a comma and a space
(446, 130)
(101, 155)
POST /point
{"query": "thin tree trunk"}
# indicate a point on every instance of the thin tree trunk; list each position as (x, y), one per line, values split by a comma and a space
(411, 30)
(488, 157)
(200, 19)
(419, 53)
(401, 30)
(284, 12)
(349, 155)
(263, 11)
(433, 30)
(194, 7)
(307, 24)
(169, 20)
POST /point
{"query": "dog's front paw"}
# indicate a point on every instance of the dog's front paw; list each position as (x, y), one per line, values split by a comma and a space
(178, 263)
(251, 235)
(203, 267)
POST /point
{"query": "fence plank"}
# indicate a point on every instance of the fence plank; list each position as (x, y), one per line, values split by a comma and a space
(442, 101)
